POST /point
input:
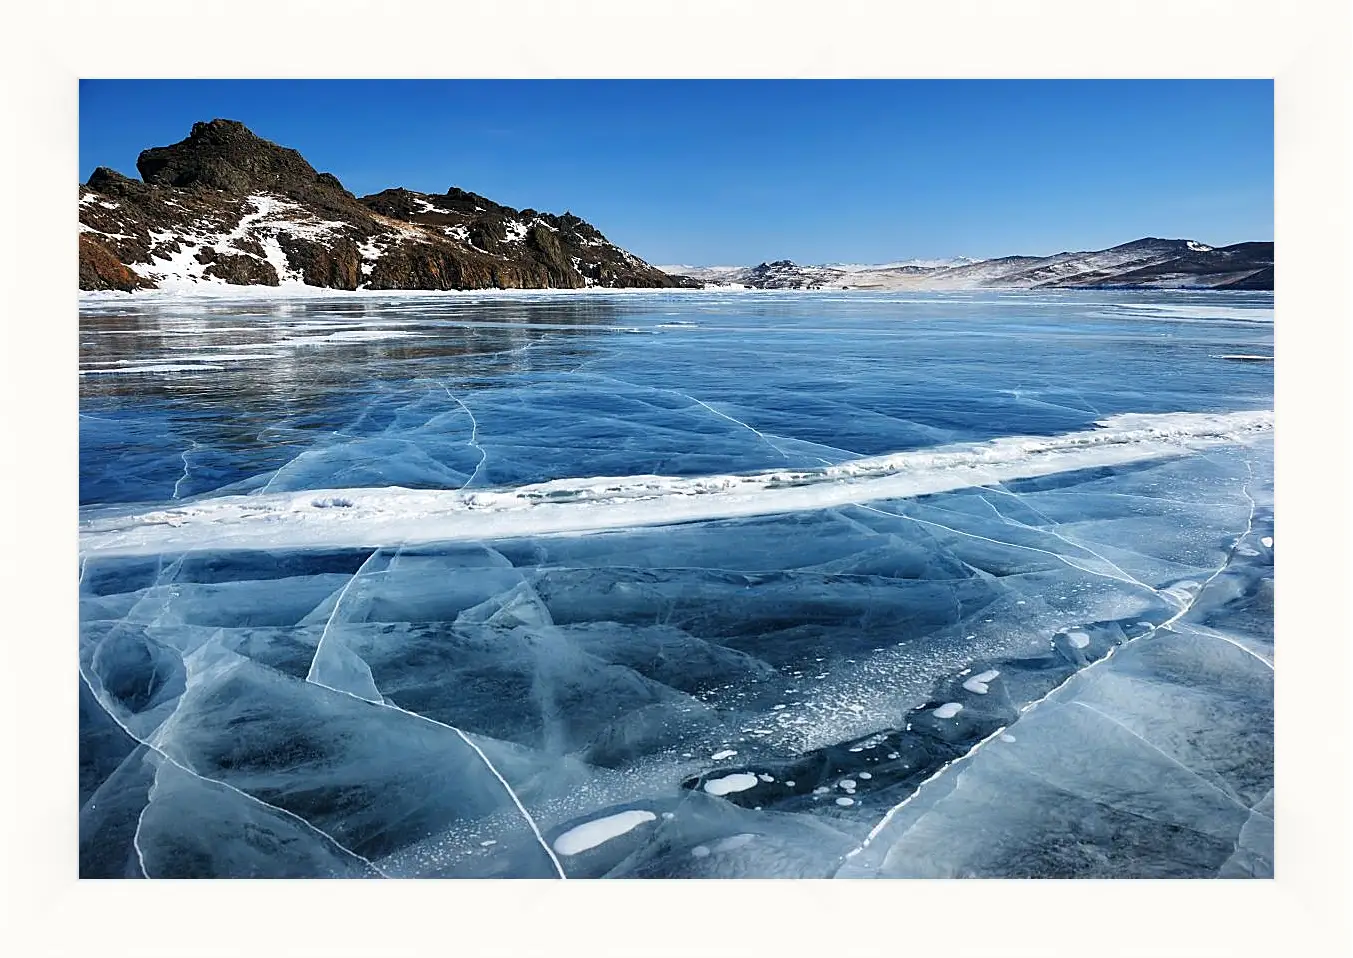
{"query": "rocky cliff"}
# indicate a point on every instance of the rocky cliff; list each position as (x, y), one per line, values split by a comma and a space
(226, 206)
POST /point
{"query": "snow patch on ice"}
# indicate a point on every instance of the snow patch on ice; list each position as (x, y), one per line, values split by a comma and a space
(580, 838)
(1253, 314)
(737, 782)
(978, 684)
(732, 842)
(382, 515)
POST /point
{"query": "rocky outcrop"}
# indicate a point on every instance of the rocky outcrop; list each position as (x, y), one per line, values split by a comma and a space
(1260, 280)
(428, 266)
(225, 205)
(541, 249)
(331, 263)
(784, 274)
(237, 269)
(101, 269)
(545, 245)
(225, 155)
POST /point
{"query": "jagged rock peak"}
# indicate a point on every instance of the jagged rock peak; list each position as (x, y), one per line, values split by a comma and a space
(227, 155)
(112, 183)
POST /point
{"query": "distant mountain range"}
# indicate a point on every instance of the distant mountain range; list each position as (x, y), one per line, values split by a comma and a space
(1143, 263)
(225, 206)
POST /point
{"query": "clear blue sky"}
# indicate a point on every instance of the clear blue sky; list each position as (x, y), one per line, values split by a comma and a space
(731, 172)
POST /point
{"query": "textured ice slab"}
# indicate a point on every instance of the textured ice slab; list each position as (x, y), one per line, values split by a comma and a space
(905, 652)
(370, 517)
(1166, 751)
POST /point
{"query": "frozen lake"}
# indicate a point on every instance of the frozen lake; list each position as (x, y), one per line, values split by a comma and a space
(677, 585)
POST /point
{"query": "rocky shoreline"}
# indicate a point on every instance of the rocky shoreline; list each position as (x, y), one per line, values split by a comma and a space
(225, 206)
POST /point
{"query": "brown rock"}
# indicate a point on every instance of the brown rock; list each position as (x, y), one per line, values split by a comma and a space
(335, 265)
(546, 246)
(238, 270)
(101, 269)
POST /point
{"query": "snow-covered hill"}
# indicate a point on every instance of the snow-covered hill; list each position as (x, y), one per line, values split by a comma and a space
(1151, 262)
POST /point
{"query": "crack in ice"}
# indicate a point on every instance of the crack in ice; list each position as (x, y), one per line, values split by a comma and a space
(1073, 677)
(1128, 577)
(474, 435)
(1207, 633)
(1013, 545)
(198, 775)
(739, 422)
(338, 602)
(530, 821)
(136, 835)
(1228, 795)
(700, 402)
(184, 477)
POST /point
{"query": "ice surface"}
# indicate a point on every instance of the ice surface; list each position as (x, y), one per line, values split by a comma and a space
(826, 617)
